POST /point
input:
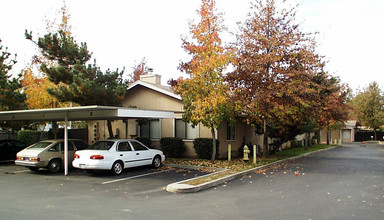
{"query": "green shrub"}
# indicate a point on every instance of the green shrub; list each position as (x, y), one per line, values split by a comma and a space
(295, 144)
(172, 147)
(315, 139)
(146, 141)
(203, 148)
(26, 136)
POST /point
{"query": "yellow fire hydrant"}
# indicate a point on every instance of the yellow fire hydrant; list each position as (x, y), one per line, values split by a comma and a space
(246, 152)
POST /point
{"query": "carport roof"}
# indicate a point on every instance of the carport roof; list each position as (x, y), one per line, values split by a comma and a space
(82, 113)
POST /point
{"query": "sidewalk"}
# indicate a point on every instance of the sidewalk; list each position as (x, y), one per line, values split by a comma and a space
(181, 187)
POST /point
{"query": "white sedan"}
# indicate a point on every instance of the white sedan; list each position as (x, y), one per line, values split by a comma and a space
(116, 155)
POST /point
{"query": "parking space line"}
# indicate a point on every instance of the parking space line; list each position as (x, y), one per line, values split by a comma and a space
(133, 177)
(21, 171)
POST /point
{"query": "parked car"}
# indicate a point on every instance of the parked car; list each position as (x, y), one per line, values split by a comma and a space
(116, 155)
(9, 148)
(48, 154)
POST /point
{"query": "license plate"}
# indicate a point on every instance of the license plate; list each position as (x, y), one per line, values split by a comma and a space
(82, 166)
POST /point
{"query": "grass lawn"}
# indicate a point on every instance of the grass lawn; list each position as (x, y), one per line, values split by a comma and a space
(238, 165)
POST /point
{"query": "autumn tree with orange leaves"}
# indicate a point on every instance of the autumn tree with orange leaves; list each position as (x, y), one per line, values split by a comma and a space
(204, 94)
(35, 82)
(35, 88)
(139, 70)
(276, 68)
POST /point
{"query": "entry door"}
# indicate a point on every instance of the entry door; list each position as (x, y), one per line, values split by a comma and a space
(347, 136)
(125, 153)
(143, 156)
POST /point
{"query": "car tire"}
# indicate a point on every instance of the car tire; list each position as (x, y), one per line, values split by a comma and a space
(54, 166)
(33, 168)
(117, 168)
(156, 163)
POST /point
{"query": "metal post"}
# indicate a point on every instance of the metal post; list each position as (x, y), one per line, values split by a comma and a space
(254, 154)
(229, 152)
(66, 145)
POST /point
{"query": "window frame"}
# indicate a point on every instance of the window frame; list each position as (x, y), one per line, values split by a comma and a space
(230, 132)
(185, 136)
(148, 124)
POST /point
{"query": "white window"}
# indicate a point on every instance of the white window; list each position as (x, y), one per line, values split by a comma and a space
(151, 129)
(185, 130)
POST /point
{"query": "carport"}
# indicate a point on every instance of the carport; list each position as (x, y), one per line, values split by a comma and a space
(83, 113)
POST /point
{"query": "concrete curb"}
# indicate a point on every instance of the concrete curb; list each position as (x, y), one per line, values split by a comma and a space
(181, 187)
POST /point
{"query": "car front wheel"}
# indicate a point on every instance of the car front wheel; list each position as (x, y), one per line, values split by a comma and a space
(156, 163)
(117, 168)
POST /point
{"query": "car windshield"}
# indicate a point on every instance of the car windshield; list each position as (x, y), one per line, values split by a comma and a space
(101, 145)
(40, 145)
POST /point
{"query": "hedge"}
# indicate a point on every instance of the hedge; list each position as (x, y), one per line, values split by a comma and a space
(26, 136)
(172, 147)
(203, 148)
(146, 141)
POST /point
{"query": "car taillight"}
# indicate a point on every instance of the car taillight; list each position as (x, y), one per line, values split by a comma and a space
(97, 157)
(77, 156)
(30, 159)
(34, 159)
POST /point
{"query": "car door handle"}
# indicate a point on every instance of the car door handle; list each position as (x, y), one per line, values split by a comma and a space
(121, 155)
(137, 154)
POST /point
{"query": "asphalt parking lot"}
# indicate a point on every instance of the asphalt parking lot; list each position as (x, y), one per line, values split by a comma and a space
(342, 183)
(133, 180)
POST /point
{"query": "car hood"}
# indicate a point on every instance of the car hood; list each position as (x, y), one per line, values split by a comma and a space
(29, 152)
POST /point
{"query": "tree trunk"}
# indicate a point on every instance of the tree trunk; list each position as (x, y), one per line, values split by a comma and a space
(309, 140)
(54, 129)
(327, 137)
(265, 144)
(110, 130)
(213, 145)
(306, 141)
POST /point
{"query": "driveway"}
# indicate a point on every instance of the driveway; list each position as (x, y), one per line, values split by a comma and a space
(343, 183)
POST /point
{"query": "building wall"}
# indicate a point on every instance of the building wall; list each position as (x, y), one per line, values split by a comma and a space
(144, 98)
(333, 136)
(243, 134)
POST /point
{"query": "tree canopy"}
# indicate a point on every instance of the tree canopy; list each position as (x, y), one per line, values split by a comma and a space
(369, 106)
(77, 80)
(204, 94)
(35, 82)
(279, 76)
(11, 97)
(139, 70)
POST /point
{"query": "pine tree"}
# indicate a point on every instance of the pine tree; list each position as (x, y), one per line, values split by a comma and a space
(11, 97)
(78, 81)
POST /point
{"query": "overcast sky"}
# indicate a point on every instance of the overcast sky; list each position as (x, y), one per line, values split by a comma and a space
(121, 32)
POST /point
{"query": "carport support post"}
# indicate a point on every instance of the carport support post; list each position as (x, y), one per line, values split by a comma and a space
(66, 145)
